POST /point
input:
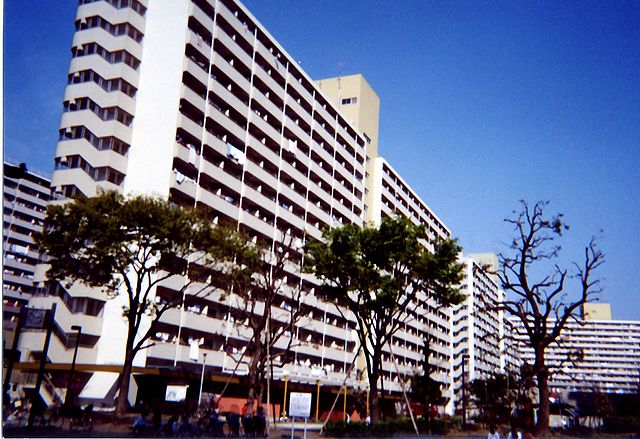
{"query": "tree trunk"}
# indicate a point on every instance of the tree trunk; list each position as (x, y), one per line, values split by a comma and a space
(255, 372)
(542, 426)
(122, 403)
(374, 406)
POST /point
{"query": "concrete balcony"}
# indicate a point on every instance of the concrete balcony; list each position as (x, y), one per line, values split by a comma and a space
(223, 120)
(264, 126)
(259, 199)
(270, 58)
(231, 72)
(274, 111)
(233, 47)
(228, 97)
(199, 14)
(220, 175)
(104, 68)
(267, 79)
(264, 151)
(257, 224)
(100, 96)
(262, 175)
(112, 14)
(299, 110)
(201, 73)
(240, 28)
(108, 40)
(219, 204)
(293, 195)
(199, 43)
(295, 128)
(293, 82)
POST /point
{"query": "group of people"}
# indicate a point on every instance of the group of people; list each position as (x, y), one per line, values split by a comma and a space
(514, 433)
(251, 423)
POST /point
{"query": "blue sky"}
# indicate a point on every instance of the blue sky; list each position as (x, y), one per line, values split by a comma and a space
(482, 104)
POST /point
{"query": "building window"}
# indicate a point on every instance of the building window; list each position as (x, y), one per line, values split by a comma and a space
(348, 101)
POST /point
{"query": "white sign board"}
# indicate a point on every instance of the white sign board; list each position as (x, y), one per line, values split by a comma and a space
(300, 405)
(176, 393)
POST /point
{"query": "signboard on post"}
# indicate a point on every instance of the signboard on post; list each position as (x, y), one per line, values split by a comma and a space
(300, 405)
(35, 318)
(175, 393)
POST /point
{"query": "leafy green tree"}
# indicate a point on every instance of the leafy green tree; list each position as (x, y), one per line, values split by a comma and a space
(126, 247)
(536, 289)
(494, 397)
(377, 274)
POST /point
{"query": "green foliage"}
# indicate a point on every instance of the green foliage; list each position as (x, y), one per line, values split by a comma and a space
(127, 246)
(99, 240)
(494, 396)
(378, 274)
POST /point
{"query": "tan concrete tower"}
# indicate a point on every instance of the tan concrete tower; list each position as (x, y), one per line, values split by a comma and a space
(359, 103)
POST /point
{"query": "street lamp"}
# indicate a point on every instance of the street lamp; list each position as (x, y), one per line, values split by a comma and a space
(465, 358)
(285, 374)
(67, 398)
(204, 362)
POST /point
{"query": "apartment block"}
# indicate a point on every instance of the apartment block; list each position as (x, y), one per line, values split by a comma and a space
(591, 354)
(26, 195)
(477, 325)
(196, 102)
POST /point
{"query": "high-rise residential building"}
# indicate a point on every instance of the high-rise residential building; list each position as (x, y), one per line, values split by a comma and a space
(477, 323)
(197, 103)
(598, 354)
(26, 195)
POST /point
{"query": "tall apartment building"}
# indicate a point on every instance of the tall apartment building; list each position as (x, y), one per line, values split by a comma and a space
(196, 102)
(477, 326)
(26, 195)
(605, 353)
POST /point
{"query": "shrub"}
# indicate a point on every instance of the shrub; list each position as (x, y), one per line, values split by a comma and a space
(622, 424)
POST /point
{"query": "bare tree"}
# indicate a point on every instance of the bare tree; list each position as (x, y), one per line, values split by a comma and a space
(540, 302)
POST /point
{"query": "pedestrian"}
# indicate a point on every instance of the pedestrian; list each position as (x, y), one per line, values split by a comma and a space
(260, 422)
(493, 433)
(514, 433)
(247, 419)
(140, 423)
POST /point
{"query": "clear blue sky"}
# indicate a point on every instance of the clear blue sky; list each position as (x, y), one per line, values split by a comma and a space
(483, 103)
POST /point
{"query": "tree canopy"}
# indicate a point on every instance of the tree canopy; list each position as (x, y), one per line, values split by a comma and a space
(128, 246)
(378, 274)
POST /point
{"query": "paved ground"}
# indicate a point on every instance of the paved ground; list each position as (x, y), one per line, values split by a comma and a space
(283, 431)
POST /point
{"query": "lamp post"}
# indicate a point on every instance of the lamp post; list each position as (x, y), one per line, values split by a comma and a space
(286, 381)
(465, 357)
(67, 397)
(204, 363)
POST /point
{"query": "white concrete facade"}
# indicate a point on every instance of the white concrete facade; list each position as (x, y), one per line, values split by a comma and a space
(609, 350)
(194, 101)
(25, 200)
(477, 325)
